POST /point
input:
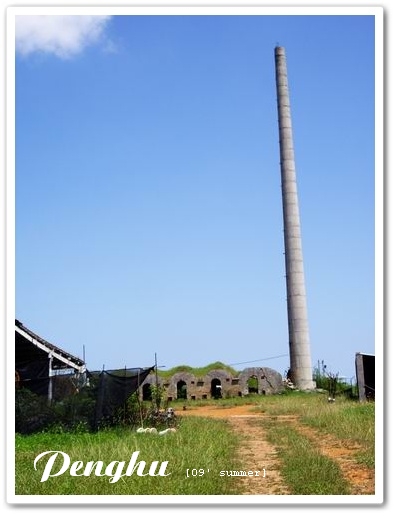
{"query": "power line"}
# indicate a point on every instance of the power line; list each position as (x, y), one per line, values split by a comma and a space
(260, 360)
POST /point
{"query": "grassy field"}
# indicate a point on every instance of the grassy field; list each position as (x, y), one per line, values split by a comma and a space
(197, 444)
(208, 445)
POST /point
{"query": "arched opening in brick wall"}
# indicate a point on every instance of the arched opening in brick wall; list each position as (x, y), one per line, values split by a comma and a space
(181, 390)
(253, 385)
(215, 388)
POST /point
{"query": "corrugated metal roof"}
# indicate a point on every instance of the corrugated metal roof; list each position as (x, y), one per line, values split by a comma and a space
(51, 347)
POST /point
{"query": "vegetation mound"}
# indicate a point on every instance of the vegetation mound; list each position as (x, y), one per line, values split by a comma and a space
(197, 371)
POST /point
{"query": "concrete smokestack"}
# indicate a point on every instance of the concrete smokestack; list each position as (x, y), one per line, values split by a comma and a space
(300, 355)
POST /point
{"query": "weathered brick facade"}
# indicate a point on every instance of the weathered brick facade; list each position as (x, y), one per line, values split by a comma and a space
(218, 383)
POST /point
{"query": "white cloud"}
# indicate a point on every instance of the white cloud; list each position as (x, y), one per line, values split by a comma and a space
(64, 36)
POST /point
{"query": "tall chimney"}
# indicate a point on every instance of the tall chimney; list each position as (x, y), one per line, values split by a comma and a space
(299, 346)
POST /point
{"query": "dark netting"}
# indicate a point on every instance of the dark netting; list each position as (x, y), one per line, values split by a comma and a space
(70, 399)
(113, 389)
(51, 401)
(35, 378)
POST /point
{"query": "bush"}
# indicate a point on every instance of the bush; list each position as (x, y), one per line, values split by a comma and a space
(32, 412)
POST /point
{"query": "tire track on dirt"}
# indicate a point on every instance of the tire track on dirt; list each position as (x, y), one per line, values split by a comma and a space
(360, 478)
(256, 452)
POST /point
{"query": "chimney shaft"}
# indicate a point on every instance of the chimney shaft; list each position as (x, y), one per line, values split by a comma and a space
(299, 345)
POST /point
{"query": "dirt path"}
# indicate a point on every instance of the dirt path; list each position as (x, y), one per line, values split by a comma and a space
(258, 454)
(360, 478)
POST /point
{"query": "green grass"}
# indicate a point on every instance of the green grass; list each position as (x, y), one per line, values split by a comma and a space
(208, 444)
(350, 422)
(197, 371)
(345, 419)
(198, 443)
(305, 470)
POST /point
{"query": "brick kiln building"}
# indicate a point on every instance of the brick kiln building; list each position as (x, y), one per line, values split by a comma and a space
(217, 383)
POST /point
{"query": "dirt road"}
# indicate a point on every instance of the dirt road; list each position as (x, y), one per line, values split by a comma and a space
(258, 453)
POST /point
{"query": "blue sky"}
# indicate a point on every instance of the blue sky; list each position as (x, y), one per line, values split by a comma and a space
(148, 202)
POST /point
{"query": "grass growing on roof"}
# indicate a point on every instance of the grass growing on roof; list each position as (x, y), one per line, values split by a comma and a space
(197, 371)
